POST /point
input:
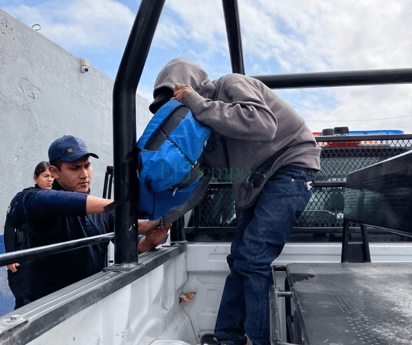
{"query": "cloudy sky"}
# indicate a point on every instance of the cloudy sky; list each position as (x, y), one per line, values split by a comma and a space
(278, 36)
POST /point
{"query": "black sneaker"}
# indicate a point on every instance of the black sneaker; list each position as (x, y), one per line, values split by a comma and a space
(208, 339)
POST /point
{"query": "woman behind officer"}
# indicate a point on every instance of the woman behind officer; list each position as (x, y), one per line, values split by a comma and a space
(15, 237)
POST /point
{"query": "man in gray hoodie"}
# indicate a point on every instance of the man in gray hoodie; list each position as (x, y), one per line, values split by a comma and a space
(256, 132)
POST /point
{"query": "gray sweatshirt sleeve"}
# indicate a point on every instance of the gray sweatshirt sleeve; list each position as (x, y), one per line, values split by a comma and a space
(241, 114)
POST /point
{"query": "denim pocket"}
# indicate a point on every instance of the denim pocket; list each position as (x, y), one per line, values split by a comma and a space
(305, 195)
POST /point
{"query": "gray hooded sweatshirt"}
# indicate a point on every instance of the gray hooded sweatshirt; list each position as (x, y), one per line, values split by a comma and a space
(251, 125)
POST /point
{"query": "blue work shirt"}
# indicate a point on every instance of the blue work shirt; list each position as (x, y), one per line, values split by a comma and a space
(54, 216)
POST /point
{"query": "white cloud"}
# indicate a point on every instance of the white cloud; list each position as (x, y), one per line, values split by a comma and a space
(319, 35)
(168, 33)
(300, 35)
(204, 22)
(359, 108)
(74, 24)
(194, 31)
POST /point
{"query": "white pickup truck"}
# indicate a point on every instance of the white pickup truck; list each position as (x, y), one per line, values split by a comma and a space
(171, 295)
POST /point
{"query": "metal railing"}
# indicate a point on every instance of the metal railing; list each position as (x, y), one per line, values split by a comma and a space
(38, 252)
(330, 79)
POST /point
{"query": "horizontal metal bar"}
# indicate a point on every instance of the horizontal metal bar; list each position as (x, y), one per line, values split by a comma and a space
(279, 268)
(342, 78)
(329, 184)
(284, 293)
(380, 229)
(320, 230)
(396, 232)
(214, 230)
(296, 230)
(209, 230)
(365, 137)
(334, 230)
(38, 252)
(315, 184)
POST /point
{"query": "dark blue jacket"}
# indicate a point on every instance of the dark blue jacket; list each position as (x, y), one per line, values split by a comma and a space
(15, 238)
(14, 230)
(54, 216)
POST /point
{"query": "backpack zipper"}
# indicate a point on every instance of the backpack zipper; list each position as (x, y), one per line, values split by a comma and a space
(187, 181)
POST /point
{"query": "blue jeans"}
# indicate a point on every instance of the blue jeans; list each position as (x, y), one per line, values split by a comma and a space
(259, 239)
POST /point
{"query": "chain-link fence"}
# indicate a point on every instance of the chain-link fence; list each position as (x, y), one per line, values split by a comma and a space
(339, 157)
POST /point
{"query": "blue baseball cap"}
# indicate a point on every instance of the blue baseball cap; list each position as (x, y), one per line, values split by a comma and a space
(69, 149)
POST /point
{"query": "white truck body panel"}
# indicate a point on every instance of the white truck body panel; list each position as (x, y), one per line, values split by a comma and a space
(149, 308)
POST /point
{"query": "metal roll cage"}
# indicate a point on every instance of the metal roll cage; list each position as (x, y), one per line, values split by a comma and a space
(124, 120)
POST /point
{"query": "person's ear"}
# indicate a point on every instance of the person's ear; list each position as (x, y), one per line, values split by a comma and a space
(54, 171)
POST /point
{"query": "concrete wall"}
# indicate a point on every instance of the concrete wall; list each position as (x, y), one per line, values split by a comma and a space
(43, 95)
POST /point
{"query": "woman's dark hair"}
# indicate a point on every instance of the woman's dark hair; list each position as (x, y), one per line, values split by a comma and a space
(41, 168)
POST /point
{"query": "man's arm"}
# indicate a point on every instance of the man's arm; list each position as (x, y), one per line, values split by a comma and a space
(9, 239)
(43, 203)
(96, 205)
(246, 116)
(153, 236)
(46, 203)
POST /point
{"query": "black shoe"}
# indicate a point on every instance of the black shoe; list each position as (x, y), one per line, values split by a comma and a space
(208, 339)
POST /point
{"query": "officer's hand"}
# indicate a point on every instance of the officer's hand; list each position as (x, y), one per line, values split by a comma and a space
(145, 225)
(156, 236)
(153, 238)
(13, 267)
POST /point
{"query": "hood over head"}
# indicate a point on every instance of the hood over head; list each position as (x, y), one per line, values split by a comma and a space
(180, 72)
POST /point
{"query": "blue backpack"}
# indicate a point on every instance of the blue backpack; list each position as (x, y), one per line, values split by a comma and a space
(171, 177)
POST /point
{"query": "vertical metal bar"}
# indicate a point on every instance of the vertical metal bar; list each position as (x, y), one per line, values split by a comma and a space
(106, 177)
(365, 244)
(196, 217)
(177, 233)
(124, 128)
(345, 241)
(109, 194)
(108, 180)
(288, 313)
(234, 38)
